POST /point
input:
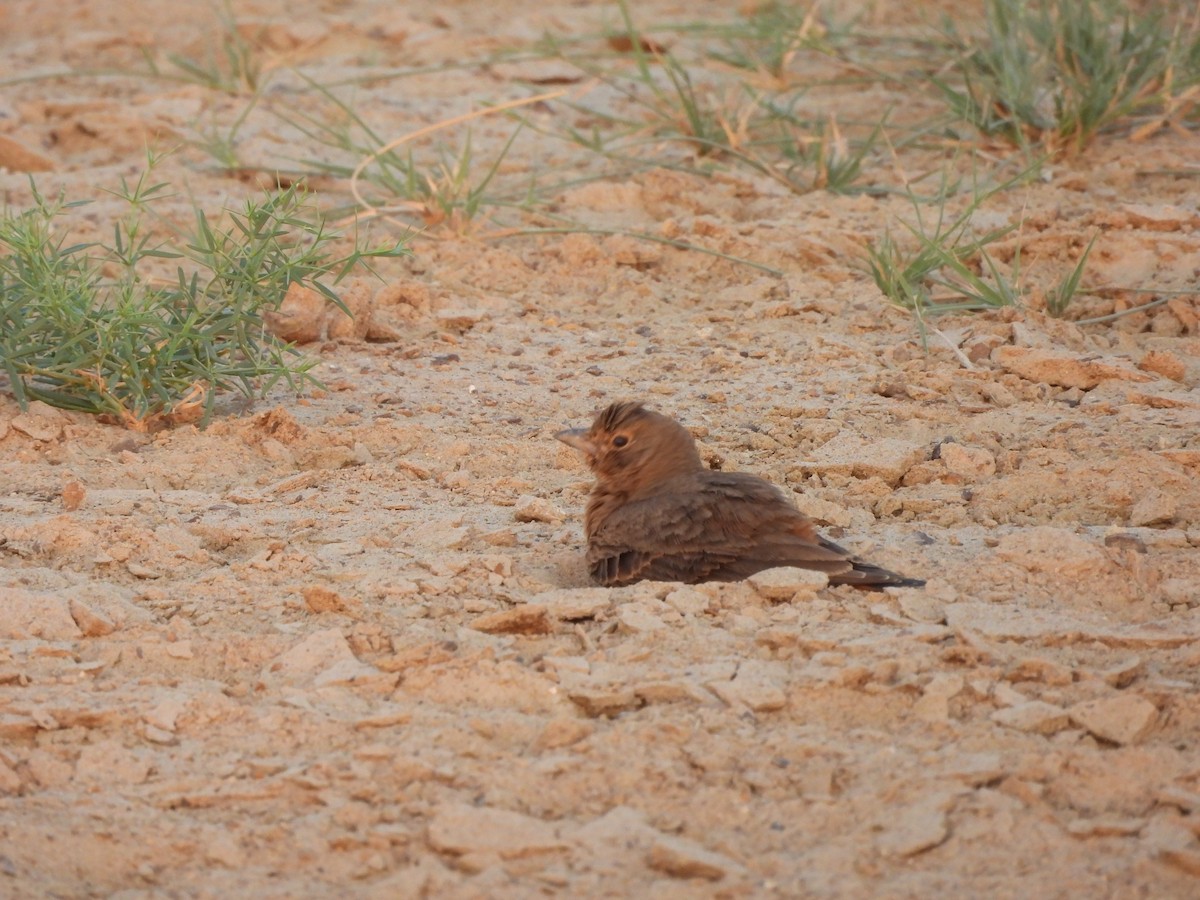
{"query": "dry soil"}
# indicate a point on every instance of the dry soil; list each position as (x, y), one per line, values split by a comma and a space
(342, 644)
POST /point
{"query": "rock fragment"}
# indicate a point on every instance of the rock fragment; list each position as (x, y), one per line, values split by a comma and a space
(73, 495)
(977, 769)
(324, 659)
(688, 601)
(10, 781)
(1055, 551)
(998, 395)
(605, 701)
(640, 618)
(861, 457)
(320, 599)
(1173, 841)
(934, 704)
(1164, 363)
(305, 315)
(1105, 826)
(1160, 216)
(107, 762)
(460, 829)
(971, 464)
(1180, 796)
(1123, 719)
(759, 685)
(165, 714)
(788, 583)
(682, 858)
(562, 732)
(917, 828)
(1033, 716)
(353, 673)
(1038, 669)
(574, 604)
(528, 618)
(40, 422)
(536, 509)
(1123, 673)
(16, 157)
(1063, 369)
(91, 622)
(922, 607)
(48, 770)
(25, 614)
(459, 320)
(1153, 507)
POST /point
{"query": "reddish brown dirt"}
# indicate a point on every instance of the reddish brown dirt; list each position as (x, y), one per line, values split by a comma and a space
(342, 644)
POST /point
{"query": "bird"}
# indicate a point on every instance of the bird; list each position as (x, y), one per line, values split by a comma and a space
(657, 513)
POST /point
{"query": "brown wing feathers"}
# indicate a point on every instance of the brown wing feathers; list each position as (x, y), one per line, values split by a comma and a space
(657, 513)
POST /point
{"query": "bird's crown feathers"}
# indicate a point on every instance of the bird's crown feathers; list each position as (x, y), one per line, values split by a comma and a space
(619, 414)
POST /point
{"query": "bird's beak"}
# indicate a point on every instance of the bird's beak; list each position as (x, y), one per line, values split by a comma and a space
(578, 438)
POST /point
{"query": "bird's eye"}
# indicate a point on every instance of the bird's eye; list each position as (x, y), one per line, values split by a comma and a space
(620, 441)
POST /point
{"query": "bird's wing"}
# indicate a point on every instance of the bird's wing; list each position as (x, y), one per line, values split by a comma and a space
(781, 535)
(720, 526)
(615, 567)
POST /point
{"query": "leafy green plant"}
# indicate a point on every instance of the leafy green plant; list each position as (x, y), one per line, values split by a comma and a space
(718, 114)
(769, 38)
(457, 189)
(337, 125)
(819, 156)
(221, 143)
(454, 192)
(946, 247)
(1060, 296)
(1061, 71)
(952, 269)
(105, 329)
(674, 104)
(235, 67)
(941, 259)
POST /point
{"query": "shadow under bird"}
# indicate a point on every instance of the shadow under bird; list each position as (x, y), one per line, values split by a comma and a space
(656, 512)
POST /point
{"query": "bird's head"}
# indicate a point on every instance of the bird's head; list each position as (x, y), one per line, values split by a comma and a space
(634, 449)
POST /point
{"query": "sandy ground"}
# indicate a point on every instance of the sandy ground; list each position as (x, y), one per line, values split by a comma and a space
(343, 644)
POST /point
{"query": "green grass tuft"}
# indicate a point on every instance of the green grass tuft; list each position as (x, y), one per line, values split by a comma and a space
(1059, 72)
(104, 328)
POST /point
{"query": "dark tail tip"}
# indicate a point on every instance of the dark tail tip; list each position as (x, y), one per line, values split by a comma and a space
(865, 575)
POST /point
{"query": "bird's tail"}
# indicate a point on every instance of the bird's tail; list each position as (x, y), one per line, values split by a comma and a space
(864, 575)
